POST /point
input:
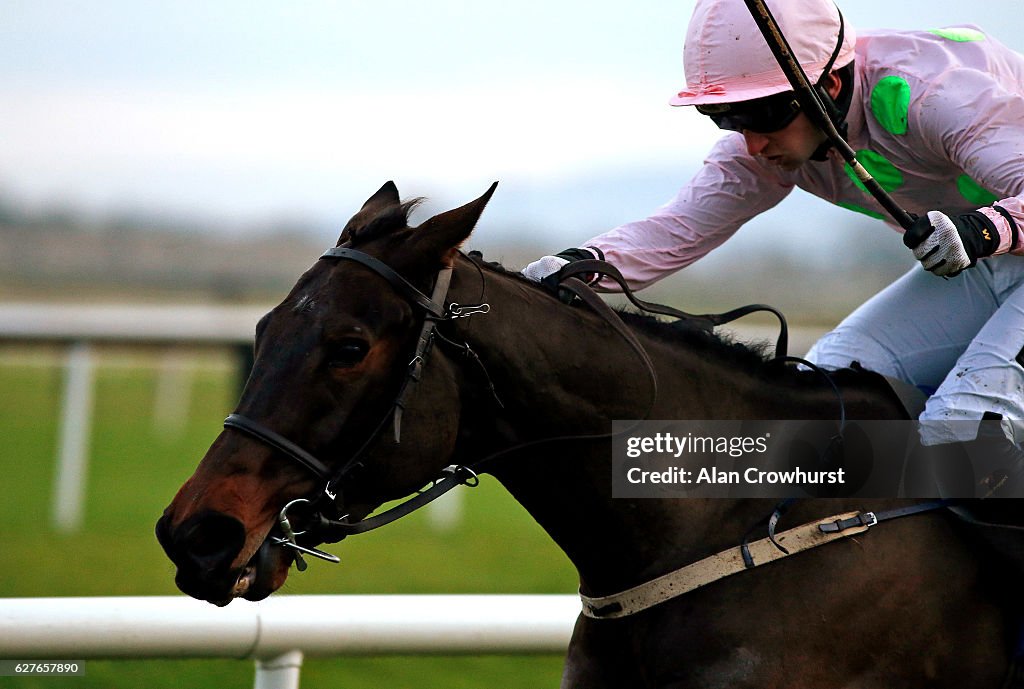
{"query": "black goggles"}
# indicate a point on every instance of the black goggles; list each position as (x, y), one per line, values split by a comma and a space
(762, 115)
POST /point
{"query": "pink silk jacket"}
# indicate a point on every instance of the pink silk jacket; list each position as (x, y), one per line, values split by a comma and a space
(937, 117)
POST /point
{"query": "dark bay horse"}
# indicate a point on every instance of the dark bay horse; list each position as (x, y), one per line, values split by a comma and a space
(912, 603)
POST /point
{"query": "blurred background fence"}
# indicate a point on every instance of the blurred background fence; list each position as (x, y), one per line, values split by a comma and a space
(281, 631)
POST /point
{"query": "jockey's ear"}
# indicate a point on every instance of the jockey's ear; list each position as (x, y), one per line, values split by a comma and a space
(833, 84)
(442, 235)
(385, 197)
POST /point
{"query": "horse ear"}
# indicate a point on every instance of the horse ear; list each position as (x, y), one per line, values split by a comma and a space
(443, 234)
(385, 197)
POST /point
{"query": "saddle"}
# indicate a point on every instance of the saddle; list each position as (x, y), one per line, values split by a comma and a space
(996, 525)
(998, 522)
(911, 397)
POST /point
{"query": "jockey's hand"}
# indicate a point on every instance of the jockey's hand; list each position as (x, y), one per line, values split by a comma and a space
(948, 245)
(547, 266)
(544, 269)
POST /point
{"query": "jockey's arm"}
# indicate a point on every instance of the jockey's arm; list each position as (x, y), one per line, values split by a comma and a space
(729, 189)
(984, 137)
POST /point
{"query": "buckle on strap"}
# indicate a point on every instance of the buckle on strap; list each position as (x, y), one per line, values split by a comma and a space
(456, 310)
(865, 519)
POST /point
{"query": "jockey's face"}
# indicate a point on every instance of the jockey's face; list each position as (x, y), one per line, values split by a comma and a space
(794, 144)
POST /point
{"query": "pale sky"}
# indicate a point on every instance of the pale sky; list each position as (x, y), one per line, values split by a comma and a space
(243, 111)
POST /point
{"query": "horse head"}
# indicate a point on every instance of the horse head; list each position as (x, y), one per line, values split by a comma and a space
(330, 363)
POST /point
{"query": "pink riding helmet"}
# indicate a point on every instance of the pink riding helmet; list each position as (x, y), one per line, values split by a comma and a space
(727, 60)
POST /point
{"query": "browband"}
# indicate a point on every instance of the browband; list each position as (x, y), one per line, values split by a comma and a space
(402, 285)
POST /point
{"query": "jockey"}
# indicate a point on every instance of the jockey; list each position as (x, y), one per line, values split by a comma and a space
(937, 117)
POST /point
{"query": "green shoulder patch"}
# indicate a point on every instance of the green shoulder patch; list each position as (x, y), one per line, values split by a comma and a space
(890, 104)
(974, 192)
(960, 34)
(878, 166)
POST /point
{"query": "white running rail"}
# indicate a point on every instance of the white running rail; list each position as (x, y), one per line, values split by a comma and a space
(279, 631)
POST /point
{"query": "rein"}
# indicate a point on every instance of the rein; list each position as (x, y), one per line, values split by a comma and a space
(706, 321)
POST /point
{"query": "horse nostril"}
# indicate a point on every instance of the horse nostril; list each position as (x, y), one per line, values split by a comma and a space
(212, 540)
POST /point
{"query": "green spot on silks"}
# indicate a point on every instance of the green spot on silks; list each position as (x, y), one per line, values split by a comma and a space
(885, 173)
(974, 192)
(890, 104)
(860, 209)
(960, 34)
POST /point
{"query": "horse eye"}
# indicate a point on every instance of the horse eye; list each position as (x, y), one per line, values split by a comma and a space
(348, 354)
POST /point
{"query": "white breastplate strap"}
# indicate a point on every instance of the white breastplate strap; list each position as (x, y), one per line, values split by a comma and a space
(721, 565)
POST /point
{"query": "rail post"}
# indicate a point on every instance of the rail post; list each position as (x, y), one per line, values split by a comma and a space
(279, 672)
(73, 442)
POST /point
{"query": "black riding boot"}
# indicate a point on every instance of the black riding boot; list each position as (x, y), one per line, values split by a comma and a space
(989, 466)
(998, 462)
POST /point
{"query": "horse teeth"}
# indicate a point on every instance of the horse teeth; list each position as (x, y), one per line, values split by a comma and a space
(245, 580)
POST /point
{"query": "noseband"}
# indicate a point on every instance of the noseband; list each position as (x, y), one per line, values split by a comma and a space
(333, 530)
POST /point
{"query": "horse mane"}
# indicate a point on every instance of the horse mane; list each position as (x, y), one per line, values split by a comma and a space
(693, 337)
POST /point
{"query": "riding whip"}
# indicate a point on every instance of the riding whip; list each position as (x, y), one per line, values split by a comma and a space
(812, 105)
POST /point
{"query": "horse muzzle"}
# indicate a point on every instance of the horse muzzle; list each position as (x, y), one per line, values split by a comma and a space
(204, 547)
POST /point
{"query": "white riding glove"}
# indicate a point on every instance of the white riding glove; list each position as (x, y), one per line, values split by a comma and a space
(948, 245)
(547, 266)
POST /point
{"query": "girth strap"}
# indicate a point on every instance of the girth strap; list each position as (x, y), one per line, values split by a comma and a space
(733, 561)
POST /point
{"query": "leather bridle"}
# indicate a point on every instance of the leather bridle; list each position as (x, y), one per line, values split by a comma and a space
(330, 530)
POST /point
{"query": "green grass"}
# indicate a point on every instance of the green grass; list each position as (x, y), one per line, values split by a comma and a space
(135, 470)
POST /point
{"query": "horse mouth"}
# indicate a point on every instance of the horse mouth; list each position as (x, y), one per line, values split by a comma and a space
(262, 575)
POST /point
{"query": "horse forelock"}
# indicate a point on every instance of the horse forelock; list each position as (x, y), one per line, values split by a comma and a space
(363, 228)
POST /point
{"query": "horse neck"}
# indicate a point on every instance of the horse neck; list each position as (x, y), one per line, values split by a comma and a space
(564, 372)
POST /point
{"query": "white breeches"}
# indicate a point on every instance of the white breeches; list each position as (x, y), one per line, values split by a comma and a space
(960, 339)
